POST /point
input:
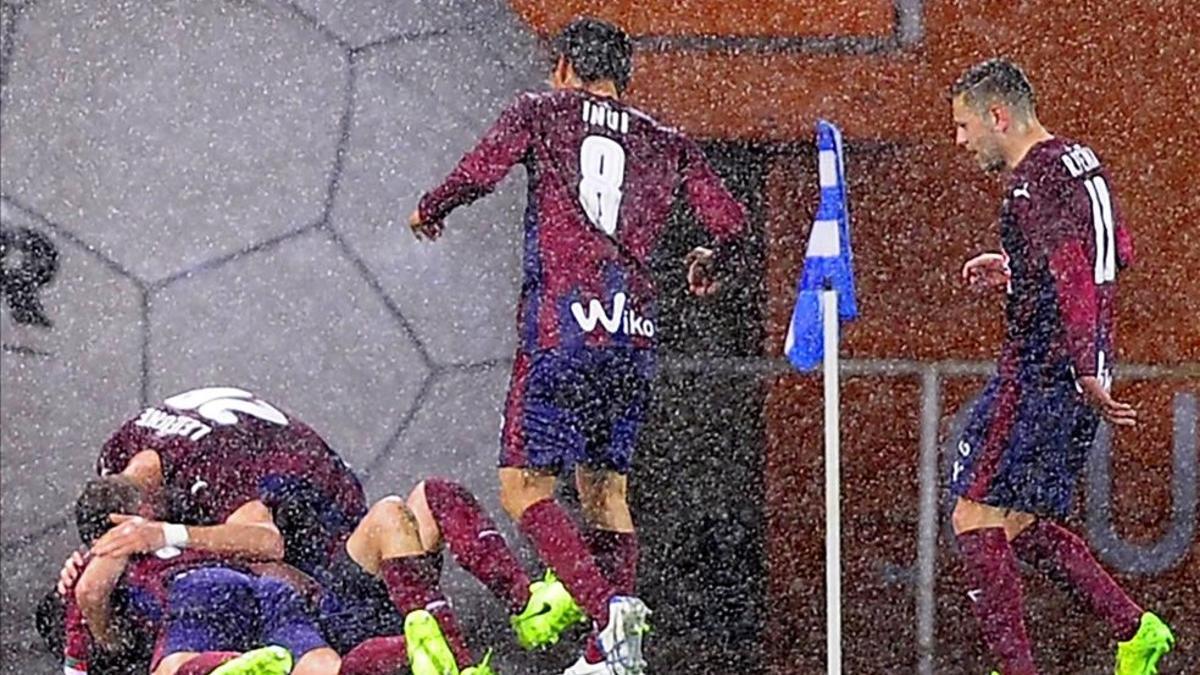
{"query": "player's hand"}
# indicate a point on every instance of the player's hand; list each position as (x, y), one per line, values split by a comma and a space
(424, 230)
(69, 574)
(1114, 412)
(701, 276)
(987, 270)
(132, 535)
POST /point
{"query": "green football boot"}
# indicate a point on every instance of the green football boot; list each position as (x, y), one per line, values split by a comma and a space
(428, 651)
(1140, 655)
(550, 611)
(484, 667)
(265, 661)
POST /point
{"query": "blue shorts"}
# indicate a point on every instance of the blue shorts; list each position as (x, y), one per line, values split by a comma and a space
(1025, 443)
(582, 406)
(216, 609)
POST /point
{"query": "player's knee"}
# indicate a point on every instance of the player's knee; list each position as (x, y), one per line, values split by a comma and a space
(171, 663)
(963, 518)
(391, 516)
(519, 491)
(602, 491)
(427, 525)
(322, 661)
(514, 502)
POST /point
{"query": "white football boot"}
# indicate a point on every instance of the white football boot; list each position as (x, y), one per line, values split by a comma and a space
(620, 641)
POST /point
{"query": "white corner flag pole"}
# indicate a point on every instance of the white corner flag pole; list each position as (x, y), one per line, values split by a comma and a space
(833, 509)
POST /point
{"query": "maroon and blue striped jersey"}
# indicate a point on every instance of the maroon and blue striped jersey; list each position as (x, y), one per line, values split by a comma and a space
(603, 178)
(222, 447)
(1066, 242)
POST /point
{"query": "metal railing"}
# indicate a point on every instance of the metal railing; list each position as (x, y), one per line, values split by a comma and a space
(931, 375)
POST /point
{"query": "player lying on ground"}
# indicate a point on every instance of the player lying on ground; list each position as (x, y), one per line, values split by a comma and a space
(1064, 243)
(603, 179)
(207, 458)
(205, 608)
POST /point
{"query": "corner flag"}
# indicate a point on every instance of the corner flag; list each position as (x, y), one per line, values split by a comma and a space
(827, 263)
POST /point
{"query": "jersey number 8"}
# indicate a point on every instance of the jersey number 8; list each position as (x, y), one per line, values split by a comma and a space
(602, 167)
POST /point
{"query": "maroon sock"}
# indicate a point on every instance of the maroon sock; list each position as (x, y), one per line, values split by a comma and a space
(476, 544)
(617, 555)
(1065, 556)
(206, 662)
(412, 583)
(560, 546)
(377, 656)
(994, 584)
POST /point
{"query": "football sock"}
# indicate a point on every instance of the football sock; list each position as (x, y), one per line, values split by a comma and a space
(476, 544)
(1066, 557)
(616, 554)
(413, 583)
(995, 593)
(560, 546)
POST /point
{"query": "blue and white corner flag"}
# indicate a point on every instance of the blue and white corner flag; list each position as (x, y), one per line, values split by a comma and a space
(827, 263)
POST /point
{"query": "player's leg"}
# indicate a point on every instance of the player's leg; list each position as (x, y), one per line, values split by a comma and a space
(541, 435)
(203, 664)
(994, 583)
(385, 655)
(1143, 638)
(285, 621)
(262, 661)
(387, 544)
(210, 609)
(612, 424)
(983, 531)
(447, 511)
(611, 535)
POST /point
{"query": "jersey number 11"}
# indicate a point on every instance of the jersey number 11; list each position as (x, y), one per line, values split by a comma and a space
(1102, 221)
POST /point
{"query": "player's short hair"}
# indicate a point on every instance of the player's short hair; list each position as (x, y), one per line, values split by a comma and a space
(100, 498)
(996, 80)
(597, 50)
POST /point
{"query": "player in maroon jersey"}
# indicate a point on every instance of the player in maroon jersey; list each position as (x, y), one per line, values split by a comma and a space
(1064, 243)
(211, 612)
(603, 177)
(223, 456)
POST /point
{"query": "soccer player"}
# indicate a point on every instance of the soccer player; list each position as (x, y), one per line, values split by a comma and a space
(383, 604)
(224, 453)
(603, 177)
(211, 612)
(1064, 244)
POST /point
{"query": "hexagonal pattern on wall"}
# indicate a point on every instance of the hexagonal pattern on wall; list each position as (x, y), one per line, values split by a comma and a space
(460, 292)
(227, 183)
(297, 325)
(167, 134)
(361, 22)
(63, 388)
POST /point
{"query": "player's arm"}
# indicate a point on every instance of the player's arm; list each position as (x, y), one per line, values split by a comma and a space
(249, 533)
(478, 172)
(720, 214)
(93, 592)
(1052, 235)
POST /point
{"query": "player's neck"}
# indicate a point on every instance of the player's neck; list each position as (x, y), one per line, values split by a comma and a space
(145, 470)
(1033, 134)
(606, 89)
